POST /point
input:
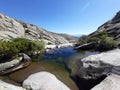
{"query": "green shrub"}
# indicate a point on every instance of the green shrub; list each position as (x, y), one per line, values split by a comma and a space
(49, 43)
(102, 36)
(83, 39)
(9, 49)
(107, 44)
(86, 39)
(99, 37)
(39, 44)
(93, 39)
(104, 42)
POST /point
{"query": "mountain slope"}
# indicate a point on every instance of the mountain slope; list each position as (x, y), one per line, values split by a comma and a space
(69, 37)
(112, 27)
(11, 28)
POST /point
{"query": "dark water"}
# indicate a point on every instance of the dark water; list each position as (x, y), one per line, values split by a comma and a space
(61, 55)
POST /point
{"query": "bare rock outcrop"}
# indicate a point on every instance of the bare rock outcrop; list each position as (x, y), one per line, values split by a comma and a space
(112, 27)
(11, 28)
(10, 64)
(104, 68)
(44, 81)
(112, 82)
(7, 86)
(100, 64)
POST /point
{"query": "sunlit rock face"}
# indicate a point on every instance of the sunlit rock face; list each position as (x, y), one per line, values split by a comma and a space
(103, 68)
(100, 64)
(6, 86)
(112, 27)
(112, 82)
(11, 28)
(44, 81)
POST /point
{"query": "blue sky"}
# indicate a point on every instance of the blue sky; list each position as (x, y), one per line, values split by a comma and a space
(62, 16)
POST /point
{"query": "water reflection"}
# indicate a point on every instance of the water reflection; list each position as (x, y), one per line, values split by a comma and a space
(61, 55)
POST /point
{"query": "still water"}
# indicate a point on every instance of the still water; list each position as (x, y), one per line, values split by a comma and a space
(54, 61)
(61, 55)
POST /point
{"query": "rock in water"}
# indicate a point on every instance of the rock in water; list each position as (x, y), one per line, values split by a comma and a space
(97, 65)
(44, 81)
(112, 82)
(111, 57)
(103, 68)
(6, 86)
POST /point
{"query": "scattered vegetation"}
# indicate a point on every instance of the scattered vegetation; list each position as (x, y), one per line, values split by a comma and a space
(102, 39)
(83, 39)
(10, 49)
(49, 43)
(107, 44)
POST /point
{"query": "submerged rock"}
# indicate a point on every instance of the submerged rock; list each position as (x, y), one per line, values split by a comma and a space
(44, 81)
(6, 86)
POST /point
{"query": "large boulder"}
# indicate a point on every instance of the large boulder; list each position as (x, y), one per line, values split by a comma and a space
(44, 81)
(112, 82)
(95, 68)
(6, 86)
(100, 64)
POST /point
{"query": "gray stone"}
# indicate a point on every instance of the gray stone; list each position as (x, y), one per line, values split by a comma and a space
(10, 64)
(100, 64)
(44, 81)
(112, 82)
(25, 56)
(7, 86)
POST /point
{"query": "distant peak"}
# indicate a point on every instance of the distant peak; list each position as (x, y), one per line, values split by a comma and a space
(117, 16)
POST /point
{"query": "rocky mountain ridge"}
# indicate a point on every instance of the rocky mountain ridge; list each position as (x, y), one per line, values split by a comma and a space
(11, 28)
(112, 27)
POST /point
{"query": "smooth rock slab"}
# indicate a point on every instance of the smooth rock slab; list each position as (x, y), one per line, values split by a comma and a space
(105, 63)
(111, 57)
(6, 86)
(10, 64)
(112, 82)
(44, 81)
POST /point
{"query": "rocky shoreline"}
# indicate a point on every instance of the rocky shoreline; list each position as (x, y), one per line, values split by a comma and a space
(100, 68)
(16, 64)
(37, 81)
(95, 73)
